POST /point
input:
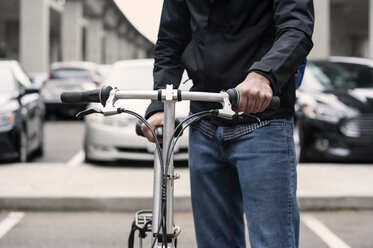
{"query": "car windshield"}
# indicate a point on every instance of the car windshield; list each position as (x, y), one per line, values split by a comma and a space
(70, 73)
(335, 75)
(7, 80)
(135, 78)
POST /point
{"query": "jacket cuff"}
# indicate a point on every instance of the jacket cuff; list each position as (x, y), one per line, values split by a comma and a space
(154, 107)
(265, 71)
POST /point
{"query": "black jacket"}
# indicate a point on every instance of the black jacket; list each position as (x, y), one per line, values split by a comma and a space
(219, 41)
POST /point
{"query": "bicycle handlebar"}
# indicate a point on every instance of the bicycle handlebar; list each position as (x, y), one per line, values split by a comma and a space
(102, 95)
(97, 95)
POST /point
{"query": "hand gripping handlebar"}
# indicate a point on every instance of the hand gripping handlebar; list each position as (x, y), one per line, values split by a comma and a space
(234, 98)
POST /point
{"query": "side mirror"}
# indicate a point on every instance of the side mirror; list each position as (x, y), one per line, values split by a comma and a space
(32, 91)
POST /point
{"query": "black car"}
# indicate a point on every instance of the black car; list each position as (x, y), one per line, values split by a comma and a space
(334, 111)
(21, 114)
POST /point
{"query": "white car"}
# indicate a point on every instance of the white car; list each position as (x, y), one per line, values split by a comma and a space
(114, 138)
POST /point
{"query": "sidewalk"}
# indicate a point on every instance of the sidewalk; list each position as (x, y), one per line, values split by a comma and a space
(98, 188)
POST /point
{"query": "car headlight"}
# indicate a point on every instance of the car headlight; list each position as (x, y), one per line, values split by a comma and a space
(6, 119)
(322, 113)
(351, 128)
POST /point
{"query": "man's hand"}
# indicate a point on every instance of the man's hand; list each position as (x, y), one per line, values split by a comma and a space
(155, 120)
(255, 93)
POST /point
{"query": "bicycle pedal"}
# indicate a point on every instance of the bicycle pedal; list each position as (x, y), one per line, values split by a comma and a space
(143, 219)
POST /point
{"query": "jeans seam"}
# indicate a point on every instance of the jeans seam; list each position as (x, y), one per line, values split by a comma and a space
(291, 186)
(230, 210)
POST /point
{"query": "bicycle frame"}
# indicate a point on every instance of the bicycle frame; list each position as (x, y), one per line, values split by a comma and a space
(169, 98)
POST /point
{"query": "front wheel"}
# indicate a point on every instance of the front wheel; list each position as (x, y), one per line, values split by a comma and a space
(23, 149)
(40, 150)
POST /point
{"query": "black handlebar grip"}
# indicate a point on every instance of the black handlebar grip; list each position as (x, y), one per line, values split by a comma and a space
(275, 103)
(138, 129)
(81, 96)
(158, 130)
(234, 98)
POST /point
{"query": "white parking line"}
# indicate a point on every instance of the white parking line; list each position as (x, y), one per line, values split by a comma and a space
(331, 239)
(77, 159)
(9, 222)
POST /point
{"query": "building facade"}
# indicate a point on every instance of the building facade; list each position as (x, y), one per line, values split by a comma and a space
(38, 32)
(343, 28)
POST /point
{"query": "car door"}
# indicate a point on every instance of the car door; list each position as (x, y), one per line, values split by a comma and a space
(31, 108)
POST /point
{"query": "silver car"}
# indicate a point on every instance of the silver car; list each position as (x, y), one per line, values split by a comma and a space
(68, 76)
(114, 138)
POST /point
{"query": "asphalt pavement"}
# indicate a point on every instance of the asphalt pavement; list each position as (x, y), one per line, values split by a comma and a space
(337, 229)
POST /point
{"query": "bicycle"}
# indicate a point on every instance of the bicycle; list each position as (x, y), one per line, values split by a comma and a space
(160, 220)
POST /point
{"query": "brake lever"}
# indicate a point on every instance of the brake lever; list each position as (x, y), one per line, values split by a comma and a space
(243, 115)
(227, 113)
(83, 113)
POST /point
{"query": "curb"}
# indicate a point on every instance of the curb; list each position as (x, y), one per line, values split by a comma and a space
(182, 203)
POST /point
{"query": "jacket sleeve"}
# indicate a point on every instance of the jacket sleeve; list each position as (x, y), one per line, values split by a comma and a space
(173, 36)
(294, 21)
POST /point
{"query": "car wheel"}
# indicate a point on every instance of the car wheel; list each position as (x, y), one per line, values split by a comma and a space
(86, 157)
(23, 151)
(40, 150)
(298, 143)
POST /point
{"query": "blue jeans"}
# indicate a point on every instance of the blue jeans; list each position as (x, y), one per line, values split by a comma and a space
(254, 174)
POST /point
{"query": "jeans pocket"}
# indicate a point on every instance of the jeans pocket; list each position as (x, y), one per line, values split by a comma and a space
(282, 122)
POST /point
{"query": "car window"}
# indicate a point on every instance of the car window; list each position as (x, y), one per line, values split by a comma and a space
(343, 75)
(315, 80)
(7, 80)
(70, 73)
(21, 76)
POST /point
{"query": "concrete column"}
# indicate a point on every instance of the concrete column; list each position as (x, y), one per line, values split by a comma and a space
(370, 29)
(124, 48)
(321, 35)
(72, 30)
(132, 50)
(95, 35)
(111, 46)
(34, 35)
(141, 53)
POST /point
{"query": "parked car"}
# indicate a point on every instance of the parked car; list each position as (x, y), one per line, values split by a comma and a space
(114, 138)
(334, 111)
(68, 76)
(21, 114)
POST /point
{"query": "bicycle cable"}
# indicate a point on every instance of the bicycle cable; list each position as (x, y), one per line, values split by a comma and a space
(164, 175)
(197, 116)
